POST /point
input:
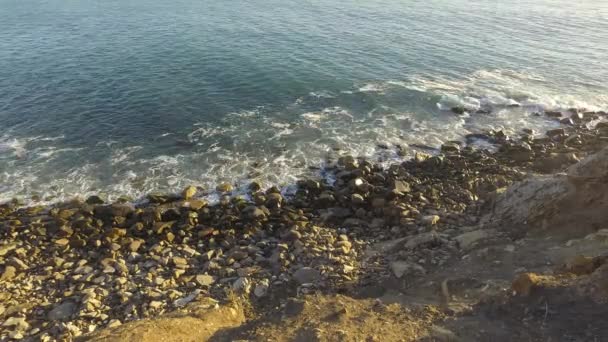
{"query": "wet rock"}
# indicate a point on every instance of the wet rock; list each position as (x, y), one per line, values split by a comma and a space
(224, 187)
(553, 114)
(189, 192)
(94, 200)
(255, 186)
(161, 198)
(458, 110)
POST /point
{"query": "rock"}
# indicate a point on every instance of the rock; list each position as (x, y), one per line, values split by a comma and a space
(115, 210)
(161, 198)
(525, 283)
(581, 265)
(254, 212)
(458, 110)
(401, 267)
(114, 323)
(553, 133)
(469, 239)
(189, 192)
(553, 114)
(261, 288)
(224, 187)
(62, 311)
(430, 220)
(441, 334)
(4, 249)
(135, 245)
(357, 199)
(185, 300)
(274, 199)
(242, 285)
(450, 148)
(421, 239)
(293, 307)
(420, 157)
(9, 273)
(18, 263)
(255, 186)
(18, 323)
(400, 187)
(94, 200)
(292, 235)
(306, 275)
(204, 280)
(197, 204)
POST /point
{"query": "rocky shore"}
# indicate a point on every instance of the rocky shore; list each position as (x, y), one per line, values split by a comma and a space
(69, 269)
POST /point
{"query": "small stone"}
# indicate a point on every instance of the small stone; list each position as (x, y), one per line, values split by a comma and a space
(204, 280)
(261, 288)
(180, 262)
(9, 273)
(18, 263)
(135, 245)
(242, 285)
(62, 242)
(155, 304)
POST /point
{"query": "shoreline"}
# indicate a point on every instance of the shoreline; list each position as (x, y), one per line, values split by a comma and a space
(74, 267)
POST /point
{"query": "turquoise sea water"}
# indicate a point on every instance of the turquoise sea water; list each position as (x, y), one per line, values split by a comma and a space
(125, 97)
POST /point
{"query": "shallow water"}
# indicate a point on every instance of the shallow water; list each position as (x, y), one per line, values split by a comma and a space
(128, 97)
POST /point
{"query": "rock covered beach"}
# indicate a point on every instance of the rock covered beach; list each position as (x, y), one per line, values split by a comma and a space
(73, 268)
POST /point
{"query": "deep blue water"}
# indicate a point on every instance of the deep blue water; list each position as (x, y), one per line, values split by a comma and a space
(125, 97)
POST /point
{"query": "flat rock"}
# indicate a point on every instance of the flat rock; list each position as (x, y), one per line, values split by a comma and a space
(204, 280)
(62, 311)
(401, 267)
(306, 275)
(467, 240)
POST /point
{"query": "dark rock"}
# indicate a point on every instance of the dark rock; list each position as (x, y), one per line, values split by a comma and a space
(94, 200)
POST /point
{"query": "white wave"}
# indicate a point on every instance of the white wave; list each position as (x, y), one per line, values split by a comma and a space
(278, 147)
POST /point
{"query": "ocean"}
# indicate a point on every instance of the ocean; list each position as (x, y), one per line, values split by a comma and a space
(129, 97)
